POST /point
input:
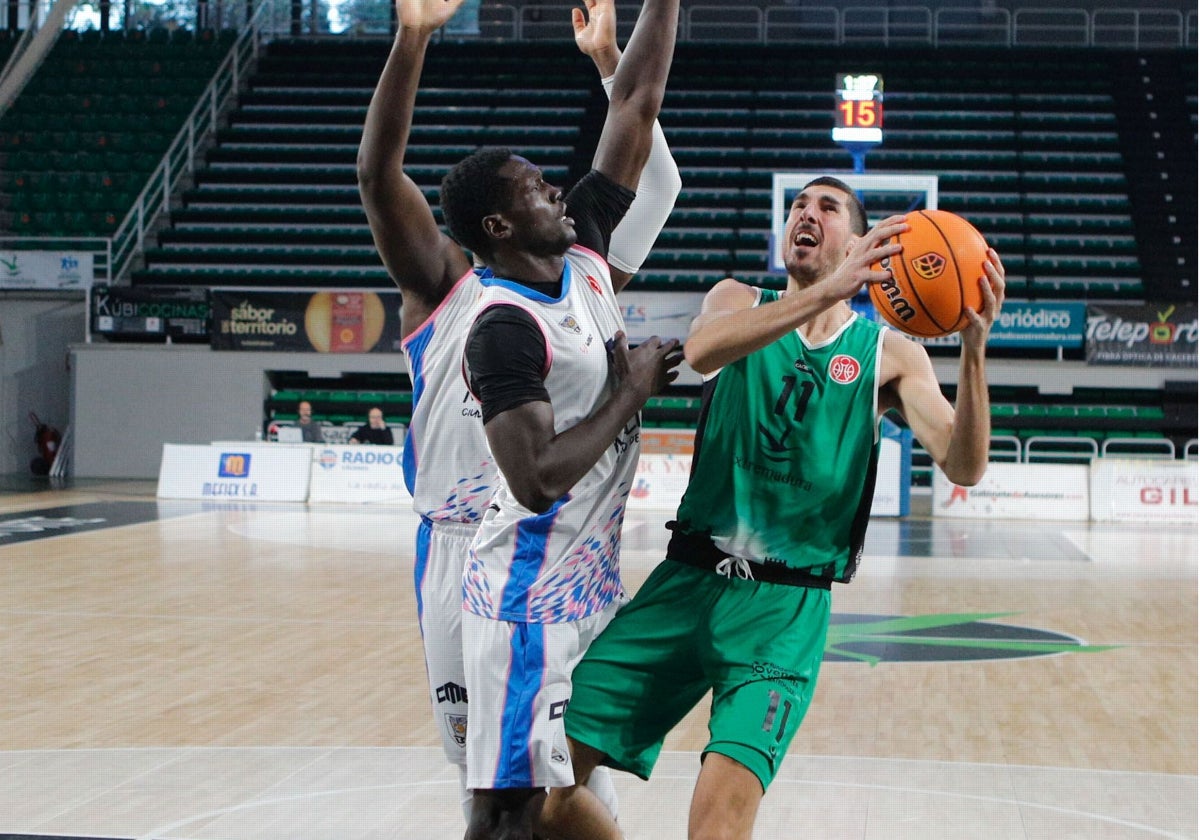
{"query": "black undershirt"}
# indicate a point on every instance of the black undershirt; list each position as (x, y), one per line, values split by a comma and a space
(506, 352)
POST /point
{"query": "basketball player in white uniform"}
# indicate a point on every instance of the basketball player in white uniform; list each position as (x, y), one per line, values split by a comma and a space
(560, 393)
(450, 472)
(447, 465)
(543, 576)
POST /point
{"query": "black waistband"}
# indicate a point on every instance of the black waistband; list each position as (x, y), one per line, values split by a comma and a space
(699, 550)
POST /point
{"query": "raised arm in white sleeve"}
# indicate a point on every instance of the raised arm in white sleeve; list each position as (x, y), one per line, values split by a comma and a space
(656, 193)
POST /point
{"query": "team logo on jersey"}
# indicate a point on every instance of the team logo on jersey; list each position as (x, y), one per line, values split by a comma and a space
(774, 447)
(457, 726)
(595, 284)
(569, 323)
(844, 369)
(929, 266)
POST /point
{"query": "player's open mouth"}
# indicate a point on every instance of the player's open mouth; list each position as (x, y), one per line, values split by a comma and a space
(804, 238)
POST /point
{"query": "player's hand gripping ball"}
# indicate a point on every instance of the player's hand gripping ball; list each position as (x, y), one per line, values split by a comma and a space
(935, 278)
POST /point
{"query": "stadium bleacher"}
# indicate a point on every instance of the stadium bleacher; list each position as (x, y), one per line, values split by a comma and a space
(80, 141)
(1029, 151)
(1038, 149)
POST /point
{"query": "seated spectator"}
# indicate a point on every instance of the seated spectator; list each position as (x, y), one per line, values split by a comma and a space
(312, 432)
(375, 431)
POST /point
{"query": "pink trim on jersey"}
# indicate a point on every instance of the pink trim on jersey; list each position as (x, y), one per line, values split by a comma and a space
(590, 252)
(433, 315)
(537, 320)
(602, 260)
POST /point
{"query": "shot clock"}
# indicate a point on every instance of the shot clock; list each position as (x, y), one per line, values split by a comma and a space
(858, 108)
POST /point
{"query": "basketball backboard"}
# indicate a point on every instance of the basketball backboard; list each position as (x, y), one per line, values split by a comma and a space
(881, 194)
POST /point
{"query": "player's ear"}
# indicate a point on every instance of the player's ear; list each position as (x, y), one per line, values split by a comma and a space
(496, 226)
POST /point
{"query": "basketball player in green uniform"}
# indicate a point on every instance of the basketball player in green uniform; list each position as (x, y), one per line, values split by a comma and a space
(775, 512)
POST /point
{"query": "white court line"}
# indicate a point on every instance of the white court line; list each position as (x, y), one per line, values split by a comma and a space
(213, 618)
(86, 800)
(161, 832)
(995, 800)
(158, 833)
(326, 752)
(1049, 768)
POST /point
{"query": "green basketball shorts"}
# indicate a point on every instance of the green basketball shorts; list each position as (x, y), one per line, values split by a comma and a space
(758, 646)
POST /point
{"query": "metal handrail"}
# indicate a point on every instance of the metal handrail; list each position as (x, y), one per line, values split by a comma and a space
(1061, 448)
(915, 24)
(999, 449)
(970, 27)
(179, 161)
(723, 23)
(1150, 27)
(1137, 448)
(890, 26)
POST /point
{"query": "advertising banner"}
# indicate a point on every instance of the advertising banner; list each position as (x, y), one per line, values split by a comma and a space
(125, 312)
(662, 476)
(1143, 490)
(664, 314)
(237, 472)
(1152, 335)
(1020, 324)
(1016, 491)
(893, 474)
(320, 322)
(668, 441)
(51, 270)
(358, 475)
(659, 482)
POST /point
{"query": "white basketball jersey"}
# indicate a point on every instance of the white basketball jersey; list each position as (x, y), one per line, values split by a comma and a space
(562, 565)
(447, 466)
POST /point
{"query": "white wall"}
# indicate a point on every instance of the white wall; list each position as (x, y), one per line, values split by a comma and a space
(130, 399)
(36, 333)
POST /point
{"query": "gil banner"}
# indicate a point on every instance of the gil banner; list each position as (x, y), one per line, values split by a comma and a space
(1153, 335)
(313, 322)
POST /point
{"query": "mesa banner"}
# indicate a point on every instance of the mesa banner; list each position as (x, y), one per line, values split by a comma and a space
(235, 471)
(57, 270)
(358, 475)
(320, 322)
(1158, 335)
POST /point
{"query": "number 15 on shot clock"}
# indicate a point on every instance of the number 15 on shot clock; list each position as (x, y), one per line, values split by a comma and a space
(858, 112)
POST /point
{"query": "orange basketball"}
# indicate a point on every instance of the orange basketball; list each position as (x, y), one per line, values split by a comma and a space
(934, 278)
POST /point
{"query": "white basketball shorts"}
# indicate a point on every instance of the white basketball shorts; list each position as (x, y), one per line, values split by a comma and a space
(519, 681)
(441, 554)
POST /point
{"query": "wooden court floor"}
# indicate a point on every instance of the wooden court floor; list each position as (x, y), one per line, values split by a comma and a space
(233, 672)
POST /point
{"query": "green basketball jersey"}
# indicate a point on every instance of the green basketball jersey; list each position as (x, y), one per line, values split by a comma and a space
(786, 448)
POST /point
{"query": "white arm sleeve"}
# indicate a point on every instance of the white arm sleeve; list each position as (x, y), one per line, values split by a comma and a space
(657, 190)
